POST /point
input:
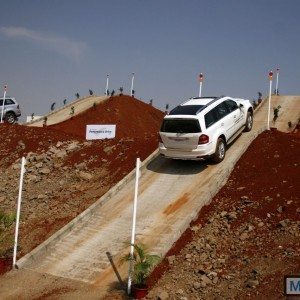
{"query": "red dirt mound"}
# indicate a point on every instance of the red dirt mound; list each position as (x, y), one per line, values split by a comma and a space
(18, 140)
(132, 117)
(65, 174)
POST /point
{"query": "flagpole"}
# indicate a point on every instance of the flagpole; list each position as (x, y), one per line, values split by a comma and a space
(200, 84)
(131, 92)
(107, 78)
(270, 93)
(277, 78)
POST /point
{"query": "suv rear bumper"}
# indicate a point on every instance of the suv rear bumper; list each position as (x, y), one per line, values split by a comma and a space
(200, 153)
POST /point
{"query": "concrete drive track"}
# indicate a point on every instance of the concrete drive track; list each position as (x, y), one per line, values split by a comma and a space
(171, 193)
(63, 113)
(289, 111)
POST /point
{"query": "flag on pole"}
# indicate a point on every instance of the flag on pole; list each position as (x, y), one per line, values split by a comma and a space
(270, 75)
(200, 77)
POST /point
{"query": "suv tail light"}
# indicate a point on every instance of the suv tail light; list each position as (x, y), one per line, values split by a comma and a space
(159, 138)
(203, 139)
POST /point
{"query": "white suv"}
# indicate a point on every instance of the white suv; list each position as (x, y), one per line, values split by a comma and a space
(202, 127)
(11, 110)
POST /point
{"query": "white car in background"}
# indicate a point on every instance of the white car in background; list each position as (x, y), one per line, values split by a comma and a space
(11, 110)
(202, 127)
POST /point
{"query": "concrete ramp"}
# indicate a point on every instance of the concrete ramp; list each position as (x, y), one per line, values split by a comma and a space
(171, 194)
(289, 112)
(64, 113)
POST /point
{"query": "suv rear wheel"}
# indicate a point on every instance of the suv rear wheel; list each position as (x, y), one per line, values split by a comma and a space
(219, 155)
(249, 122)
(10, 118)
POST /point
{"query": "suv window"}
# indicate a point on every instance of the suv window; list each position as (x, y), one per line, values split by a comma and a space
(180, 126)
(231, 105)
(210, 118)
(221, 110)
(216, 114)
(7, 102)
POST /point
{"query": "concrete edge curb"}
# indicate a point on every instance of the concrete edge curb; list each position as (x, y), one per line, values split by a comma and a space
(81, 217)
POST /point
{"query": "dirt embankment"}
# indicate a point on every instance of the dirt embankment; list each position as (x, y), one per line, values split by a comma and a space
(248, 238)
(65, 173)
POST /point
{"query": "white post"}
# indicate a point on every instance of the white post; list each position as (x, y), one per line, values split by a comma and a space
(200, 85)
(18, 211)
(3, 103)
(270, 94)
(137, 173)
(107, 78)
(200, 89)
(277, 79)
(132, 79)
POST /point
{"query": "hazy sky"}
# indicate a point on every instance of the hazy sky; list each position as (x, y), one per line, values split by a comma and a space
(52, 49)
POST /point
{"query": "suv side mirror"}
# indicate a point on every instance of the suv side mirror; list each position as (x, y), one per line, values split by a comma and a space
(241, 105)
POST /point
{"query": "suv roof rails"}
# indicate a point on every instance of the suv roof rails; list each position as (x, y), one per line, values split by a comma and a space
(204, 97)
(194, 98)
(210, 102)
(214, 99)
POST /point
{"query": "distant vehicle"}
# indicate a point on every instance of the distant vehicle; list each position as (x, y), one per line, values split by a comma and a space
(11, 110)
(202, 127)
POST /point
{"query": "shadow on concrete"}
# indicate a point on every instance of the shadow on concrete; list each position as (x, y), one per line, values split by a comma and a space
(176, 167)
(118, 287)
(120, 284)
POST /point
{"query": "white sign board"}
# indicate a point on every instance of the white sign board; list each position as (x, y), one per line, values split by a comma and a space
(100, 132)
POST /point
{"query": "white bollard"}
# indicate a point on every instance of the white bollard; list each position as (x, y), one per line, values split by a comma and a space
(18, 212)
(137, 175)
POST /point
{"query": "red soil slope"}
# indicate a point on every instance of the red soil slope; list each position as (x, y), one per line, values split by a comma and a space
(107, 162)
(132, 117)
(263, 193)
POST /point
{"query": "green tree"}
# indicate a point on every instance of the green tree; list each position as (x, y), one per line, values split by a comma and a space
(143, 263)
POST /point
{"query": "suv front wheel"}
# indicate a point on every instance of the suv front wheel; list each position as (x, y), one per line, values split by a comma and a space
(10, 118)
(219, 155)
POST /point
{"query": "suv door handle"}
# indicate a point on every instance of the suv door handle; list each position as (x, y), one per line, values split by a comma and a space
(234, 116)
(222, 124)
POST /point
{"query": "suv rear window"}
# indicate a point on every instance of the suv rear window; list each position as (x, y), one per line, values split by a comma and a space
(180, 126)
